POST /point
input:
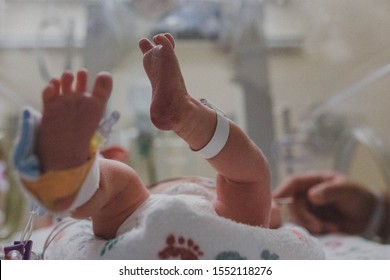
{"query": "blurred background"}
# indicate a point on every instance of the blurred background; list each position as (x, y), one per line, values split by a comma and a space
(306, 79)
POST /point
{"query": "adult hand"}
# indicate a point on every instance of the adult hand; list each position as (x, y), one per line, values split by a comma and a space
(325, 202)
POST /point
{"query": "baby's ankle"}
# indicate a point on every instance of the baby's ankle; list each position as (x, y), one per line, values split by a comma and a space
(188, 119)
(197, 124)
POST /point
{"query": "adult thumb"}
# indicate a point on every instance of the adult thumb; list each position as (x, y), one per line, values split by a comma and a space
(326, 193)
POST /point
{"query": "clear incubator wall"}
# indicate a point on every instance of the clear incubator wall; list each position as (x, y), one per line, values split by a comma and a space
(322, 68)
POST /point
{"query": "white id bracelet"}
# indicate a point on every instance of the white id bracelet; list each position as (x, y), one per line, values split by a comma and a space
(89, 187)
(375, 221)
(220, 137)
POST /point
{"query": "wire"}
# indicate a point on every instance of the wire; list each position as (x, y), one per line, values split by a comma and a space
(60, 227)
(26, 233)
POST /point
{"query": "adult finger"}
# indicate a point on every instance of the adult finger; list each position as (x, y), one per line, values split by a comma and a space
(300, 183)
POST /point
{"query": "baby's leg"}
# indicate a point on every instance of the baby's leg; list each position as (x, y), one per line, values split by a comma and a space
(69, 120)
(243, 181)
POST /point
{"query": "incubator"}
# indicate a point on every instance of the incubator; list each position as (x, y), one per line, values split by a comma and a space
(345, 133)
(307, 80)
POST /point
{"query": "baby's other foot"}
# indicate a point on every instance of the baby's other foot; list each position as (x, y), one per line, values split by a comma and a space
(70, 118)
(169, 94)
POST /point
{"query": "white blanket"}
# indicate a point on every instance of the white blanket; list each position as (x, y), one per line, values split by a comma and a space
(347, 247)
(336, 247)
(178, 227)
(181, 227)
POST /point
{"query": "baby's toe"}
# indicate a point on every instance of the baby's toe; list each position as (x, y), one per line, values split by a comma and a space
(103, 86)
(49, 93)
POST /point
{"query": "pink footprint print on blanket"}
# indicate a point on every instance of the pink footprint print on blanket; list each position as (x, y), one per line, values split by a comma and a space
(180, 249)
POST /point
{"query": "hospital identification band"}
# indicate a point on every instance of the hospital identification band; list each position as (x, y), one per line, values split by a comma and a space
(219, 139)
(54, 189)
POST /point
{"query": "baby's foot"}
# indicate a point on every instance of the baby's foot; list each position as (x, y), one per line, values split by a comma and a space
(169, 94)
(70, 118)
